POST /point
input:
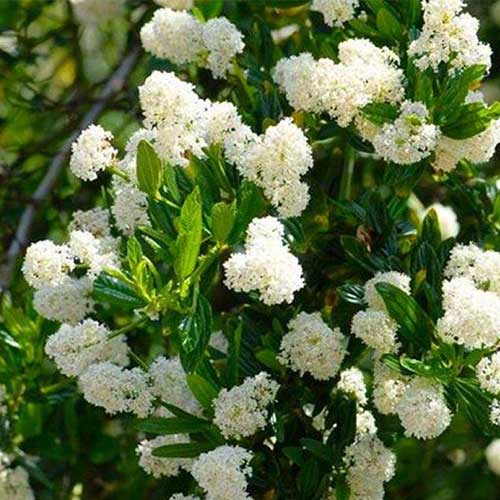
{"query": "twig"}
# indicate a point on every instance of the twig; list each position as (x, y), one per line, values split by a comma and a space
(21, 238)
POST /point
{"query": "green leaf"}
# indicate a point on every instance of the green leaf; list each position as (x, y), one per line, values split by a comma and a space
(223, 217)
(149, 169)
(173, 425)
(318, 449)
(388, 24)
(111, 290)
(431, 232)
(187, 246)
(202, 390)
(183, 450)
(471, 119)
(380, 113)
(360, 255)
(134, 253)
(250, 205)
(414, 324)
(171, 182)
(268, 358)
(233, 359)
(354, 294)
(295, 454)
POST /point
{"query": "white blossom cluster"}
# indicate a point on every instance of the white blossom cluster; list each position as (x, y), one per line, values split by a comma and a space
(480, 266)
(476, 149)
(373, 325)
(92, 152)
(159, 466)
(117, 389)
(495, 412)
(351, 382)
(448, 36)
(265, 265)
(369, 465)
(336, 12)
(276, 161)
(312, 346)
(242, 410)
(92, 12)
(168, 382)
(14, 481)
(471, 315)
(492, 454)
(223, 473)
(422, 409)
(388, 388)
(75, 348)
(365, 74)
(95, 221)
(488, 373)
(181, 38)
(410, 138)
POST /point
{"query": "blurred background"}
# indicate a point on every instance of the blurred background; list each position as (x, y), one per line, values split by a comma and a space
(55, 66)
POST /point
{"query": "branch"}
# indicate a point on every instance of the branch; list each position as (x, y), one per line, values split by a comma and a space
(21, 238)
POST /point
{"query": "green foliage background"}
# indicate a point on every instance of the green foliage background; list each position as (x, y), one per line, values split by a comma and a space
(45, 88)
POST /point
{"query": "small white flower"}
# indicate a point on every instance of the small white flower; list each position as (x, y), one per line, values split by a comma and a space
(376, 329)
(336, 12)
(351, 382)
(388, 388)
(374, 299)
(488, 373)
(14, 482)
(95, 221)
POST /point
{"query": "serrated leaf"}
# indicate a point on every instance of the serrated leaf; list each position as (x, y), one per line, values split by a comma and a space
(149, 169)
(111, 290)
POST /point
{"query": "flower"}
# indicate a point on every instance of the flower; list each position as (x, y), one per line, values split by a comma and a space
(448, 36)
(129, 208)
(172, 35)
(158, 466)
(47, 264)
(388, 388)
(336, 12)
(95, 221)
(69, 301)
(312, 346)
(376, 329)
(117, 389)
(410, 138)
(168, 382)
(492, 454)
(266, 264)
(472, 316)
(488, 373)
(222, 472)
(241, 411)
(75, 348)
(14, 482)
(422, 409)
(351, 382)
(223, 41)
(92, 152)
(374, 299)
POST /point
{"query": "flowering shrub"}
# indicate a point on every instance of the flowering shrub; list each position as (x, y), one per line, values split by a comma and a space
(261, 289)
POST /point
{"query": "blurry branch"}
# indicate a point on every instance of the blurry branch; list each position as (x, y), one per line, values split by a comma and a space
(21, 239)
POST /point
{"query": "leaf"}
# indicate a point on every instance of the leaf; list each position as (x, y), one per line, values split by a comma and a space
(175, 425)
(431, 232)
(318, 449)
(414, 324)
(359, 254)
(223, 217)
(196, 334)
(187, 246)
(268, 358)
(343, 419)
(354, 294)
(250, 205)
(202, 390)
(233, 359)
(308, 479)
(111, 290)
(134, 253)
(171, 182)
(380, 113)
(149, 169)
(471, 119)
(183, 450)
(388, 24)
(295, 454)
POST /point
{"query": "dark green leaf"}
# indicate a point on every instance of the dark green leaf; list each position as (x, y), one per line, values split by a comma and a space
(175, 425)
(318, 449)
(182, 450)
(202, 390)
(388, 24)
(111, 290)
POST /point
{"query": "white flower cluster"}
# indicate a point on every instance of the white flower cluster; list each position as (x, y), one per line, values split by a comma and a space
(241, 411)
(352, 382)
(388, 388)
(75, 348)
(336, 12)
(312, 346)
(480, 266)
(117, 389)
(92, 152)
(365, 74)
(447, 219)
(410, 138)
(181, 38)
(471, 316)
(374, 326)
(266, 264)
(488, 373)
(476, 149)
(168, 382)
(223, 473)
(47, 268)
(492, 454)
(495, 412)
(92, 12)
(14, 481)
(95, 221)
(422, 409)
(369, 465)
(275, 162)
(448, 36)
(159, 466)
